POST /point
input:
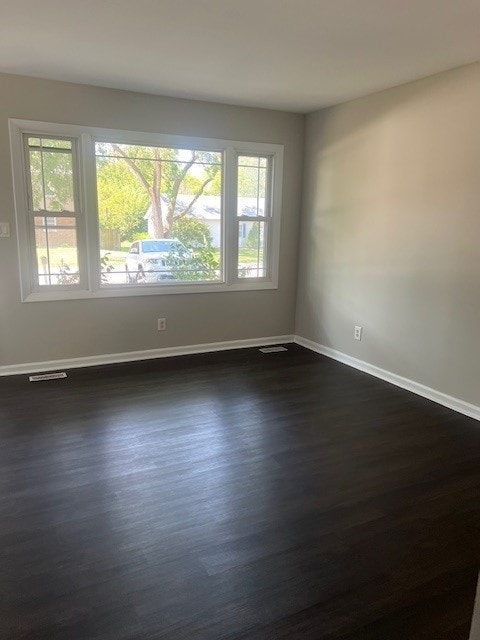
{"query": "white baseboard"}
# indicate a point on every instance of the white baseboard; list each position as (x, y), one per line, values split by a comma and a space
(133, 356)
(467, 409)
(456, 404)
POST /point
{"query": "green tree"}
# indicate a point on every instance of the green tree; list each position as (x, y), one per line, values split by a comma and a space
(247, 184)
(215, 187)
(194, 233)
(164, 174)
(51, 176)
(197, 261)
(122, 202)
(253, 236)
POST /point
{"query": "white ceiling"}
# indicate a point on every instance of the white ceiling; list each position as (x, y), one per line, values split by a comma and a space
(296, 55)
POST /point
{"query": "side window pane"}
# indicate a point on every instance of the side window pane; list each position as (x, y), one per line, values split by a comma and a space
(56, 251)
(252, 185)
(160, 214)
(253, 215)
(251, 250)
(51, 175)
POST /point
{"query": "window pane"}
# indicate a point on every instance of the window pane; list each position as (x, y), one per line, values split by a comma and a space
(36, 178)
(252, 186)
(56, 144)
(168, 154)
(58, 180)
(51, 175)
(56, 251)
(251, 250)
(168, 202)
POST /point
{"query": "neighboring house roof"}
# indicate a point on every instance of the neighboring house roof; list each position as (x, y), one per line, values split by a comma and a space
(208, 207)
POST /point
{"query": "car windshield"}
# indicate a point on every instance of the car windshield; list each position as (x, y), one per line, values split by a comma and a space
(159, 246)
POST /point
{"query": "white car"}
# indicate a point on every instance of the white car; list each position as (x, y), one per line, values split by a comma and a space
(147, 260)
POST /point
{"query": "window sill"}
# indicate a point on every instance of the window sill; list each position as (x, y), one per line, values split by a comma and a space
(145, 290)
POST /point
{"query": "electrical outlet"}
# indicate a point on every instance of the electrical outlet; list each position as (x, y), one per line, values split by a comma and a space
(162, 324)
(357, 332)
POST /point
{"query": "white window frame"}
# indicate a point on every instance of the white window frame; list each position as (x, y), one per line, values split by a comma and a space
(88, 227)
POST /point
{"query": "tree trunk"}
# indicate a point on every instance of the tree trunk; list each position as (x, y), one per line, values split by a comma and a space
(172, 205)
(156, 198)
(157, 218)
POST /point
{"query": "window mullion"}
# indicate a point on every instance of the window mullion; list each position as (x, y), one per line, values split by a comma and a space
(231, 229)
(88, 186)
(79, 215)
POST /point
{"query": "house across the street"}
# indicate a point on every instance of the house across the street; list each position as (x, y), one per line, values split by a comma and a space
(208, 209)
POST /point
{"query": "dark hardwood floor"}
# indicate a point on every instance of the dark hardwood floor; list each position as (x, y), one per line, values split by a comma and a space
(235, 496)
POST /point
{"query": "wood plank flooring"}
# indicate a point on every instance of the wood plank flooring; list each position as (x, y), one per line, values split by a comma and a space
(235, 496)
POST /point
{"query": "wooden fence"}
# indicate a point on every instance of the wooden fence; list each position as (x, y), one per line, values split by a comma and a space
(110, 239)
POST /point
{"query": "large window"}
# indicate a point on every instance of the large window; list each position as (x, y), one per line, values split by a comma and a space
(160, 214)
(109, 213)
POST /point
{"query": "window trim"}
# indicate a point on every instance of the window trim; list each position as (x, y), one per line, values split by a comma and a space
(88, 228)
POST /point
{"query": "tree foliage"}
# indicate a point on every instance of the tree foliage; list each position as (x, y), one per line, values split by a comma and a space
(194, 233)
(253, 238)
(247, 184)
(51, 179)
(131, 179)
(163, 175)
(122, 203)
(197, 261)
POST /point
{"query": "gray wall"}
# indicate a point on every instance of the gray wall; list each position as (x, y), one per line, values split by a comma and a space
(32, 332)
(390, 233)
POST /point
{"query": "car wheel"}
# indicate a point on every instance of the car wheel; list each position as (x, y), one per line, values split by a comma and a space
(140, 276)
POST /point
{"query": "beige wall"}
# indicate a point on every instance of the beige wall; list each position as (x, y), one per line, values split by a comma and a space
(32, 332)
(390, 235)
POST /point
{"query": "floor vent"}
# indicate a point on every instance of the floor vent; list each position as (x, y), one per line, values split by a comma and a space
(47, 376)
(272, 349)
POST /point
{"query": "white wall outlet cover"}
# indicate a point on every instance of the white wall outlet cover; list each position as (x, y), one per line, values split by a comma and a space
(4, 230)
(357, 332)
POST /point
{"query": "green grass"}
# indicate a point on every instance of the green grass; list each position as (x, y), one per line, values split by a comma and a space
(245, 255)
(69, 256)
